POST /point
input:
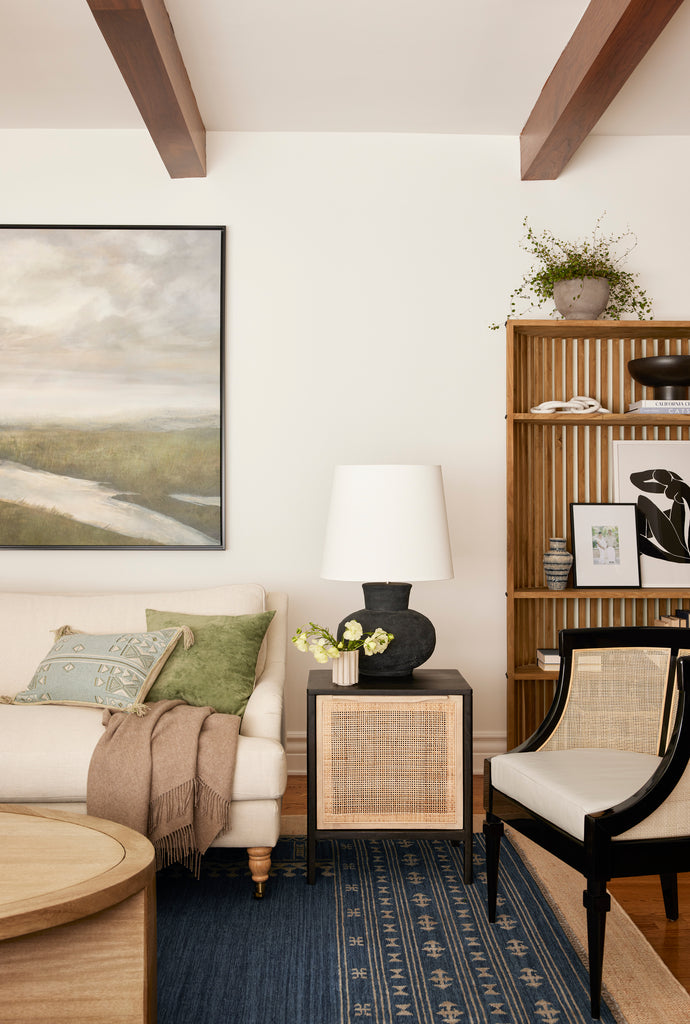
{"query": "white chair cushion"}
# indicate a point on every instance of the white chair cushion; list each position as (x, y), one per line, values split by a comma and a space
(564, 785)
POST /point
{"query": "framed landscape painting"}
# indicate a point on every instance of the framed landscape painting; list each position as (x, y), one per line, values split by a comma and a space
(111, 392)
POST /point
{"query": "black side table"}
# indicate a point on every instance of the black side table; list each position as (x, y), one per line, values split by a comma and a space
(390, 757)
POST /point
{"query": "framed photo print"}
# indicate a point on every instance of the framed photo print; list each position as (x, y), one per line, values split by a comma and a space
(605, 552)
(111, 396)
(656, 476)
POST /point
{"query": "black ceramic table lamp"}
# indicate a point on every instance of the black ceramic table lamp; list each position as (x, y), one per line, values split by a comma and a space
(388, 522)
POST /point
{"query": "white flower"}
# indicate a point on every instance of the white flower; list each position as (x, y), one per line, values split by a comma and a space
(319, 653)
(382, 639)
(317, 640)
(353, 630)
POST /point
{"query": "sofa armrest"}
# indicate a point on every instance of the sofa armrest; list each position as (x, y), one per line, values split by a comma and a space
(263, 716)
(264, 713)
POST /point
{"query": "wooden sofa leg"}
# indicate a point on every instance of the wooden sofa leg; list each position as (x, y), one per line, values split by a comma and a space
(259, 865)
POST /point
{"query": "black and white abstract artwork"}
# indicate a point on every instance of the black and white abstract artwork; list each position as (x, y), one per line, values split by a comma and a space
(655, 475)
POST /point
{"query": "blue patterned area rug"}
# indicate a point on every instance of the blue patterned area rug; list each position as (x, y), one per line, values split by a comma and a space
(388, 933)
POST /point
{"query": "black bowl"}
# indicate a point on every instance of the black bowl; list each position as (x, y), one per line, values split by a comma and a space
(668, 375)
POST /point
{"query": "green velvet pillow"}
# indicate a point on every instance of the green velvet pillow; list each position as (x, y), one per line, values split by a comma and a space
(219, 670)
(113, 670)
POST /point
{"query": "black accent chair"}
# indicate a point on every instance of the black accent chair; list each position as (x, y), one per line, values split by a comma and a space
(604, 784)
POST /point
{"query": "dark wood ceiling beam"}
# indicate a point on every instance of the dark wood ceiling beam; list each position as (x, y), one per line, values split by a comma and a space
(611, 39)
(142, 41)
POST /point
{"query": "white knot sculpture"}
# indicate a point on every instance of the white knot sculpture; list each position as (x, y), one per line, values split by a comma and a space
(578, 404)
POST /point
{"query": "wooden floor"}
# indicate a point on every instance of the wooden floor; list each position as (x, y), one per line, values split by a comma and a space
(639, 897)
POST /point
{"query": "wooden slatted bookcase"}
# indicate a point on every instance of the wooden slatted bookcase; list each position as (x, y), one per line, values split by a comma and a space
(556, 459)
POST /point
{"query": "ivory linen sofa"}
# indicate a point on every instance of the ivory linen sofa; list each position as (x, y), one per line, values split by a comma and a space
(45, 749)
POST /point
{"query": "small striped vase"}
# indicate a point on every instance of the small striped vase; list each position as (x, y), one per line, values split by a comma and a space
(346, 668)
(557, 563)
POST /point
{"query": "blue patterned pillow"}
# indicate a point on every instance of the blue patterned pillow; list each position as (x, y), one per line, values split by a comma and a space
(114, 670)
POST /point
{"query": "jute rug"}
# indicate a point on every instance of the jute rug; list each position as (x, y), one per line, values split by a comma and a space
(636, 980)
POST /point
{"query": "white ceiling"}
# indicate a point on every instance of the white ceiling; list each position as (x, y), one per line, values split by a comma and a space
(456, 66)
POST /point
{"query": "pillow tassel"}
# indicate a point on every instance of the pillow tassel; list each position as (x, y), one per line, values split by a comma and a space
(6, 700)
(65, 631)
(187, 637)
(136, 709)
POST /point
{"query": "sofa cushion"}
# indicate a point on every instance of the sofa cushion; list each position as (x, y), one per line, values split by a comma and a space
(114, 670)
(46, 751)
(220, 668)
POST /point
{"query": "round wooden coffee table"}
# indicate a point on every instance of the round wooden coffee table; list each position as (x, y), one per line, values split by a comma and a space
(77, 920)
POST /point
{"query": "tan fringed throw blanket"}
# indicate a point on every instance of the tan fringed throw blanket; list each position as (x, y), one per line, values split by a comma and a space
(167, 774)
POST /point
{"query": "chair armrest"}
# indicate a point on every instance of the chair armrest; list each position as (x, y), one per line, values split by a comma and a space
(264, 713)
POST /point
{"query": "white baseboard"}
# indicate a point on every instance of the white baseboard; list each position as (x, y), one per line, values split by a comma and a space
(485, 744)
(296, 751)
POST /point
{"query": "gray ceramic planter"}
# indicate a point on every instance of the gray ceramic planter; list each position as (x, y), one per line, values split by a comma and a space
(581, 298)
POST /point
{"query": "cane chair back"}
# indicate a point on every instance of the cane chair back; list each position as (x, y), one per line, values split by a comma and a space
(619, 698)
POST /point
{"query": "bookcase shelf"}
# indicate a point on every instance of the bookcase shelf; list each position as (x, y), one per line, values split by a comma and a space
(595, 593)
(554, 459)
(599, 419)
(534, 672)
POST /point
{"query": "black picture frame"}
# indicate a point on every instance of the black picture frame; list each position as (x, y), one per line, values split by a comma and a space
(112, 393)
(605, 545)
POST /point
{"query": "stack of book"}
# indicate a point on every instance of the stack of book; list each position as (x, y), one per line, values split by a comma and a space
(661, 405)
(680, 617)
(548, 658)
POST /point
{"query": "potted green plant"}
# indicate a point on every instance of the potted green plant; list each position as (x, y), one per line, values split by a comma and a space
(567, 273)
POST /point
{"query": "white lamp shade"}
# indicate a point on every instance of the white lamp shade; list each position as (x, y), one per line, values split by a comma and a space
(387, 523)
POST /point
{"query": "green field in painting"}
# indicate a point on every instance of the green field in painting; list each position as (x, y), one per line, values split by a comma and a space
(144, 466)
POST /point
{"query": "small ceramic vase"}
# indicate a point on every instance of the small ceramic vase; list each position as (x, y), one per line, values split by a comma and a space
(557, 563)
(346, 668)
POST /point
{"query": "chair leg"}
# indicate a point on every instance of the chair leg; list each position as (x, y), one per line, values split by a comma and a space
(493, 830)
(669, 888)
(598, 903)
(259, 865)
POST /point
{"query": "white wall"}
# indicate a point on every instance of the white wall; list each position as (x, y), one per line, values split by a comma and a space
(363, 272)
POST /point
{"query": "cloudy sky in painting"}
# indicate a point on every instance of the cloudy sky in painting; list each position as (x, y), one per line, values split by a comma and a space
(109, 324)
